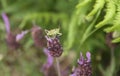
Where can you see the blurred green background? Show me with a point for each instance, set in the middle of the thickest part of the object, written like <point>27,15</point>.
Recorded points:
<point>84,25</point>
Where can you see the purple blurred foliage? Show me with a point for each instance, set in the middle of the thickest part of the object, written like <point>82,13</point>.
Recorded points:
<point>49,62</point>
<point>47,66</point>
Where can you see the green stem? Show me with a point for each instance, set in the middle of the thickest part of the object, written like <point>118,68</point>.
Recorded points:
<point>58,67</point>
<point>101,69</point>
<point>88,30</point>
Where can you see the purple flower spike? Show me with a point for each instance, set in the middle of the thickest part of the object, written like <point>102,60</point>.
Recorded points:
<point>81,60</point>
<point>54,46</point>
<point>84,66</point>
<point>49,59</point>
<point>48,39</point>
<point>88,55</point>
<point>21,35</point>
<point>6,21</point>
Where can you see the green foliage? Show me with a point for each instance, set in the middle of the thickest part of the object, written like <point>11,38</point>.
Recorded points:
<point>107,13</point>
<point>110,12</point>
<point>116,23</point>
<point>76,20</point>
<point>46,17</point>
<point>99,4</point>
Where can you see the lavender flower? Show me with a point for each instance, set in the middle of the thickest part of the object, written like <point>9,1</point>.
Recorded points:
<point>47,66</point>
<point>38,37</point>
<point>49,58</point>
<point>84,66</point>
<point>54,46</point>
<point>12,40</point>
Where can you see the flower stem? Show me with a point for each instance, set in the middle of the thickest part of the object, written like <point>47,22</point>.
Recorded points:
<point>58,66</point>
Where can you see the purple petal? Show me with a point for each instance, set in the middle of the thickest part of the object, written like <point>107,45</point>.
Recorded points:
<point>21,35</point>
<point>74,74</point>
<point>49,39</point>
<point>6,21</point>
<point>81,60</point>
<point>88,55</point>
<point>49,58</point>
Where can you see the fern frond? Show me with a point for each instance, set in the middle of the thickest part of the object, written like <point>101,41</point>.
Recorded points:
<point>99,4</point>
<point>116,34</point>
<point>110,12</point>
<point>81,4</point>
<point>47,17</point>
<point>88,32</point>
<point>116,40</point>
<point>76,20</point>
<point>116,25</point>
<point>116,21</point>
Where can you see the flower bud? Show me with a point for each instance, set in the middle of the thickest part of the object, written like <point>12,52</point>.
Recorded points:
<point>38,37</point>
